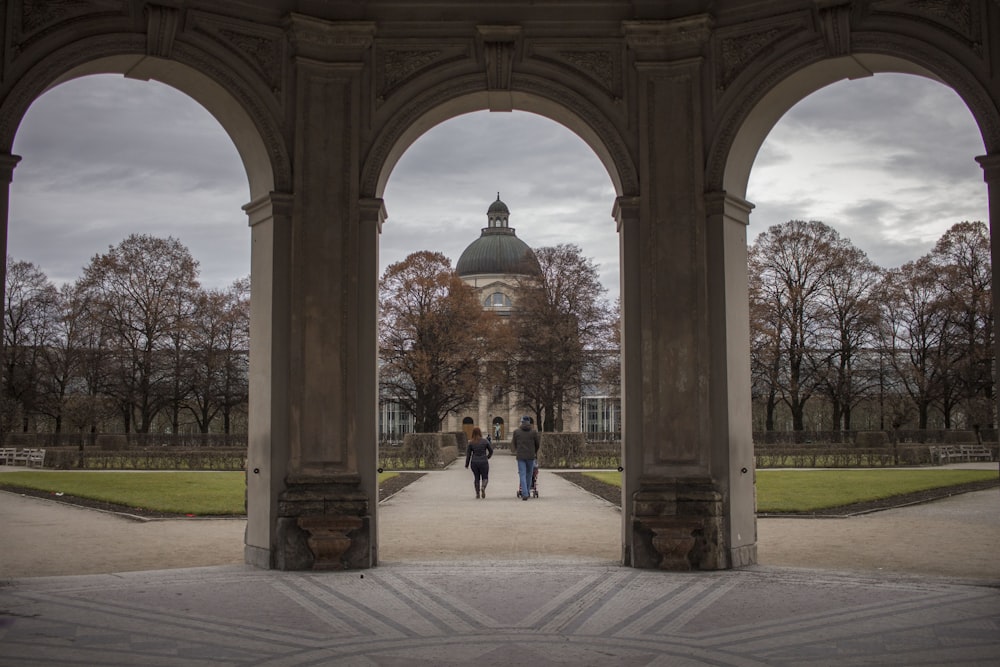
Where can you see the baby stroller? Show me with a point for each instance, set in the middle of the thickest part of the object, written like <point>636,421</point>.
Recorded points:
<point>534,483</point>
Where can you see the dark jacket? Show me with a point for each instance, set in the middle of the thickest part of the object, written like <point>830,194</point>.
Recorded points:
<point>525,441</point>
<point>479,450</point>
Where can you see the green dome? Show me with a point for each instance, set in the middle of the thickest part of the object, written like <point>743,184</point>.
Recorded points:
<point>498,250</point>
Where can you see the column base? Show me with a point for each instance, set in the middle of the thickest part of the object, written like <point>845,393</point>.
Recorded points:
<point>677,525</point>
<point>324,523</point>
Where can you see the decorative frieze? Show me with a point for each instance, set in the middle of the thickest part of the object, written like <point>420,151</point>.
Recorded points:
<point>736,48</point>
<point>261,48</point>
<point>599,64</point>
<point>397,64</point>
<point>33,19</point>
<point>958,16</point>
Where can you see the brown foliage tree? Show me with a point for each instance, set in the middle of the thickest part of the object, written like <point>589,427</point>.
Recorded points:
<point>434,338</point>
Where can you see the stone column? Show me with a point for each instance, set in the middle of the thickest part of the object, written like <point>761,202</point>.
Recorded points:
<point>267,451</point>
<point>676,517</point>
<point>991,174</point>
<point>7,164</point>
<point>325,516</point>
<point>732,424</point>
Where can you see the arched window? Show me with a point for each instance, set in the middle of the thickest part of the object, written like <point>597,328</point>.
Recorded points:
<point>497,300</point>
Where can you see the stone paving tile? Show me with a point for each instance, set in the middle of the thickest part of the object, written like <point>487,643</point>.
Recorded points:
<point>500,614</point>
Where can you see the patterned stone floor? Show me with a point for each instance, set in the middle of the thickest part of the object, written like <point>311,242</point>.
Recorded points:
<point>499,613</point>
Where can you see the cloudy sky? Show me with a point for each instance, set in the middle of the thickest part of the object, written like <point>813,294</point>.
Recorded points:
<point>887,161</point>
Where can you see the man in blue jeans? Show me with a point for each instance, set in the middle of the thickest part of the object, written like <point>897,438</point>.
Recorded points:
<point>525,441</point>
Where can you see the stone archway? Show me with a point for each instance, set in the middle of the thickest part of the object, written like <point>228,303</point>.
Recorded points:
<point>674,106</point>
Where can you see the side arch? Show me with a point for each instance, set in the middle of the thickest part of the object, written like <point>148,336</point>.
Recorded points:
<point>241,113</point>
<point>466,95</point>
<point>750,117</point>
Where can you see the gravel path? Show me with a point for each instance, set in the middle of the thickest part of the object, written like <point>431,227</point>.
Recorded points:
<point>438,519</point>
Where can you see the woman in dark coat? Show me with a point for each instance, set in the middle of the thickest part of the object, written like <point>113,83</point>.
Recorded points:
<point>478,453</point>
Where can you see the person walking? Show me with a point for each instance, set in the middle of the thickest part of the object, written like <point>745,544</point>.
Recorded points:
<point>525,442</point>
<point>478,454</point>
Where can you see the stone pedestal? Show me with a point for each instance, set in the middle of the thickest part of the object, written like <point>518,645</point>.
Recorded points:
<point>677,525</point>
<point>324,523</point>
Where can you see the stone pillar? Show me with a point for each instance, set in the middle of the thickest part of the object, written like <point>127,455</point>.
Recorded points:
<point>267,451</point>
<point>326,513</point>
<point>991,174</point>
<point>676,516</point>
<point>7,164</point>
<point>732,424</point>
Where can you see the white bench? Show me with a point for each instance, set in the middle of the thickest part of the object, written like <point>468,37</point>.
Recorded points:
<point>7,455</point>
<point>976,453</point>
<point>28,457</point>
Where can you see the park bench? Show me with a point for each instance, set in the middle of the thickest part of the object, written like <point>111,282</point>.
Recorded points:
<point>951,453</point>
<point>976,453</point>
<point>7,455</point>
<point>944,454</point>
<point>28,457</point>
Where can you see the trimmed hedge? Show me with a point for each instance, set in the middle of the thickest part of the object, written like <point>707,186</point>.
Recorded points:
<point>419,451</point>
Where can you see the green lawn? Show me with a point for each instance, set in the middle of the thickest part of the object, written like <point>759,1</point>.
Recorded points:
<point>221,493</point>
<point>811,490</point>
<point>197,493</point>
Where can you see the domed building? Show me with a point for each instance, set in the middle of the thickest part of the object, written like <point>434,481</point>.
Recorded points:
<point>493,265</point>
<point>496,260</point>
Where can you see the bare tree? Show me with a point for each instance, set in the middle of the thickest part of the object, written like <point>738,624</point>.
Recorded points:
<point>851,315</point>
<point>30,302</point>
<point>220,341</point>
<point>792,265</point>
<point>134,289</point>
<point>561,323</point>
<point>961,260</point>
<point>913,328</point>
<point>434,338</point>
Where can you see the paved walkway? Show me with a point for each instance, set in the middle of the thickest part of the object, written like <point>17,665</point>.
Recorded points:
<point>493,586</point>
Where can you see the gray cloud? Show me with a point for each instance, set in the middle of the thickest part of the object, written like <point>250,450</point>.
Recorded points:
<point>887,161</point>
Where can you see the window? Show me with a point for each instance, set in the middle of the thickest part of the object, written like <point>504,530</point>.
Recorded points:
<point>497,300</point>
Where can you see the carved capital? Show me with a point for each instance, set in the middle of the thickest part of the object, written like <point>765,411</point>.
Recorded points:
<point>626,211</point>
<point>7,163</point>
<point>373,212</point>
<point>275,205</point>
<point>991,168</point>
